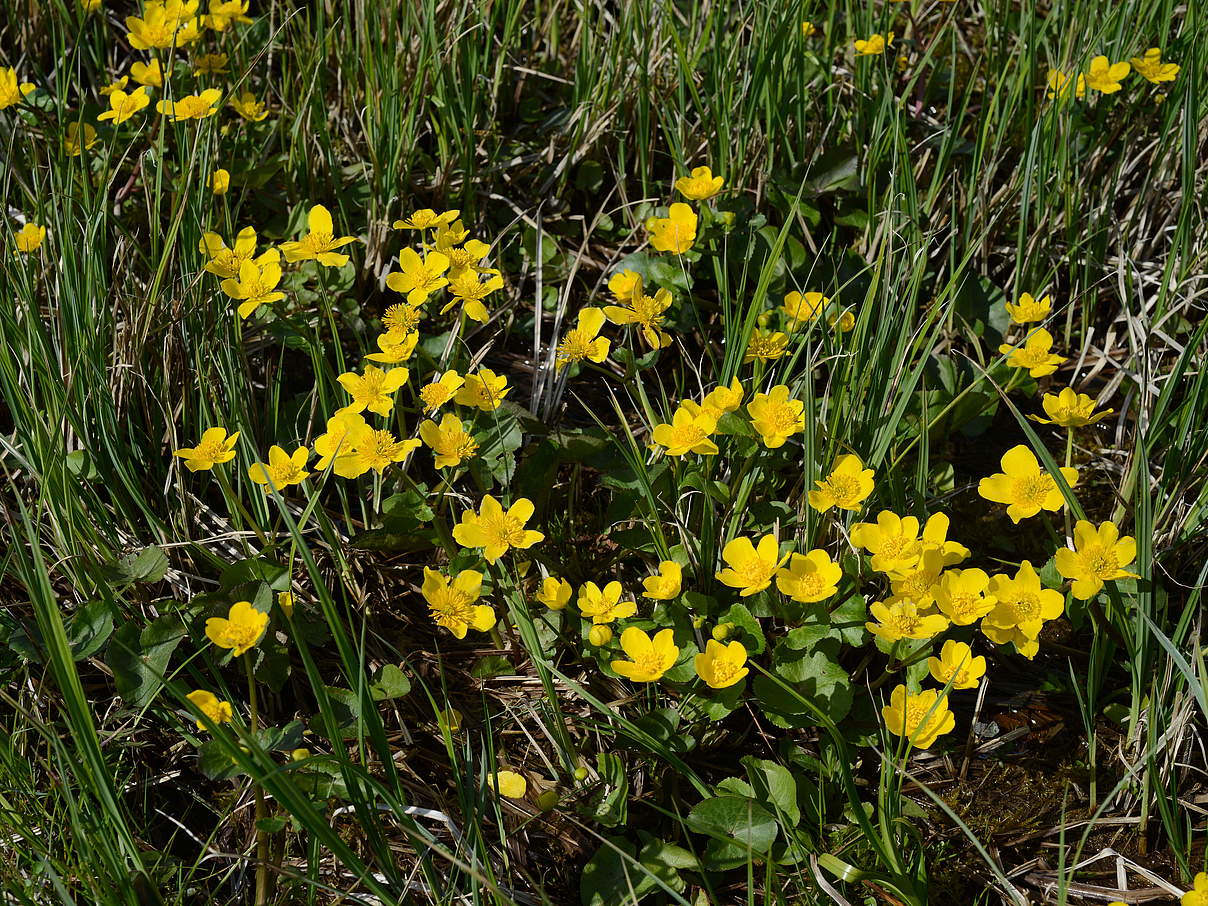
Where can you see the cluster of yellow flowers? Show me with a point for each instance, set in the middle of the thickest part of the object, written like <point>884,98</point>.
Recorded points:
<point>1104,76</point>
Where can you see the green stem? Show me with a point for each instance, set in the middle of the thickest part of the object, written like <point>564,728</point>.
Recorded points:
<point>261,836</point>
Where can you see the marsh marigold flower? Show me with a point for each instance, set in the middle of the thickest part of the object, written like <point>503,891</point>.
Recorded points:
<point>802,307</point>
<point>497,530</point>
<point>483,390</point>
<point>451,604</point>
<point>649,658</point>
<point>1099,555</point>
<point>372,449</point>
<point>225,262</point>
<point>239,630</point>
<point>750,568</point>
<point>440,391</point>
<point>214,448</point>
<point>191,106</point>
<point>962,596</point>
<point>700,185</point>
<point>425,219</point>
<point>599,635</point>
<point>210,64</point>
<point>898,619</point>
<point>466,259</point>
<point>256,284</point>
<point>219,181</point>
<point>583,340</point>
<point>957,663</point>
<point>1151,68</point>
<point>846,487</point>
<point>78,140</point>
<point>666,585</point>
<point>873,44</point>
<point>1198,895</point>
<point>1022,609</point>
<point>419,277</point>
<point>721,399</point>
<point>468,290</point>
<point>1060,84</point>
<point>922,718</point>
<point>1105,76</point>
<point>674,233</point>
<point>775,416</point>
<point>337,439</point>
<point>508,784</point>
<point>1036,354</point>
<point>449,441</point>
<point>688,432</point>
<point>646,312</point>
<point>122,106</point>
<point>808,29</point>
<point>223,13</point>
<point>29,238</point>
<point>163,24</point>
<point>12,91</point>
<point>394,348</point>
<point>248,107</point>
<point>765,346</point>
<point>320,243</point>
<point>604,605</point>
<point>219,712</point>
<point>918,583</point>
<point>1027,309</point>
<point>373,389</point>
<point>555,593</point>
<point>895,544</point>
<point>149,74</point>
<point>720,665</point>
<point>402,318</point>
<point>281,470</point>
<point>1024,486</point>
<point>809,577</point>
<point>624,285</point>
<point>1069,410</point>
<point>118,84</point>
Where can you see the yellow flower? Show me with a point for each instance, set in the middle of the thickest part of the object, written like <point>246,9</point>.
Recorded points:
<point>208,64</point>
<point>844,321</point>
<point>370,449</point>
<point>688,432</point>
<point>281,470</point>
<point>961,596</point>
<point>115,85</point>
<point>425,219</point>
<point>214,449</point>
<point>765,346</point>
<point>1060,84</point>
<point>402,318</point>
<point>249,108</point>
<point>750,568</point>
<point>674,233</point>
<point>285,600</point>
<point>874,44</point>
<point>341,428</point>
<point>219,712</point>
<point>257,283</point>
<point>647,312</point>
<point>219,181</point>
<point>922,718</point>
<point>1198,895</point>
<point>1027,309</point>
<point>451,604</point>
<point>957,663</point>
<point>802,307</point>
<point>1022,609</point>
<point>555,593</point>
<point>1151,68</point>
<point>466,288</point>
<point>440,391</point>
<point>899,619</point>
<point>1036,354</point>
<point>484,390</point>
<point>721,666</point>
<point>12,91</point>
<point>604,606</point>
<point>320,243</point>
<point>1105,76</point>
<point>846,487</point>
<point>649,658</point>
<point>73,145</point>
<point>892,541</point>
<point>30,237</point>
<point>373,389</point>
<point>583,340</point>
<point>191,106</point>
<point>700,185</point>
<point>1024,486</point>
<point>625,285</point>
<point>918,584</point>
<point>226,262</point>
<point>240,630</point>
<point>497,530</point>
<point>122,106</point>
<point>723,399</point>
<point>395,347</point>
<point>599,635</point>
<point>775,416</point>
<point>90,6</point>
<point>450,442</point>
<point>808,29</point>
<point>419,277</point>
<point>1069,410</point>
<point>163,24</point>
<point>809,577</point>
<point>224,12</point>
<point>508,783</point>
<point>666,585</point>
<point>1098,555</point>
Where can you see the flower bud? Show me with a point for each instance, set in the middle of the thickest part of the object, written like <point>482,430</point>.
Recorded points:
<point>600,635</point>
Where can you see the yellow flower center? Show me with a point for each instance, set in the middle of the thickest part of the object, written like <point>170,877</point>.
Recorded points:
<point>1032,356</point>
<point>916,585</point>
<point>687,435</point>
<point>576,346</point>
<point>762,347</point>
<point>380,449</point>
<point>1033,489</point>
<point>503,529</point>
<point>649,664</point>
<point>284,473</point>
<point>457,443</point>
<point>434,396</point>
<point>314,243</point>
<point>649,311</point>
<point>963,604</point>
<point>1101,561</point>
<point>916,713</point>
<point>903,622</point>
<point>809,584</point>
<point>1027,606</point>
<point>400,318</point>
<point>754,572</point>
<point>783,419</point>
<point>210,449</point>
<point>845,489</point>
<point>724,671</point>
<point>452,608</point>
